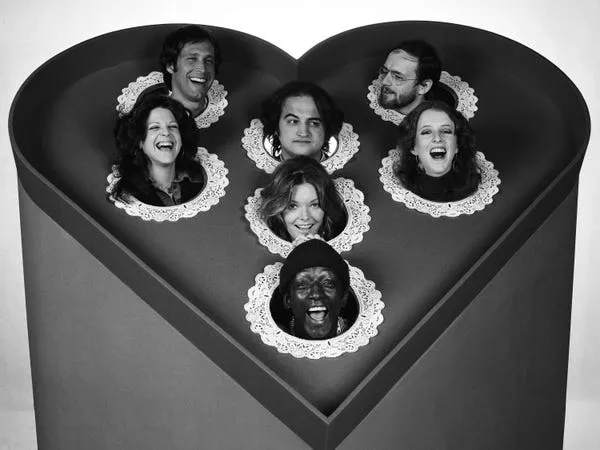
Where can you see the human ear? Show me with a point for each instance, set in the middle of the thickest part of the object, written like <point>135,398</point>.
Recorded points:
<point>424,86</point>
<point>344,299</point>
<point>287,302</point>
<point>170,68</point>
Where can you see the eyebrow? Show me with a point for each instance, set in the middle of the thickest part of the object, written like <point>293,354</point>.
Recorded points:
<point>158,123</point>
<point>196,53</point>
<point>449,125</point>
<point>297,117</point>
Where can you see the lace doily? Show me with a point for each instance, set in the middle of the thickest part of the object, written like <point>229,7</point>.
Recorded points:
<point>466,98</point>
<point>486,190</point>
<point>254,144</point>
<point>214,188</point>
<point>261,322</point>
<point>216,98</point>
<point>357,225</point>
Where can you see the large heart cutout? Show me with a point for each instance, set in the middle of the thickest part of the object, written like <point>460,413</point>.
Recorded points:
<point>532,124</point>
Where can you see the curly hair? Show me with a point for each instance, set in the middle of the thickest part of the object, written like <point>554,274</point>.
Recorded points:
<point>332,117</point>
<point>465,172</point>
<point>277,195</point>
<point>176,40</point>
<point>130,131</point>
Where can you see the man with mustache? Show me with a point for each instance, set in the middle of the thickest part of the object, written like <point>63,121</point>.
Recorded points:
<point>315,285</point>
<point>189,61</point>
<point>409,73</point>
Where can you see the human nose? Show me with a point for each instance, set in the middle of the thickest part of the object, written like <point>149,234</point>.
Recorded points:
<point>302,129</point>
<point>387,79</point>
<point>200,65</point>
<point>304,212</point>
<point>315,290</point>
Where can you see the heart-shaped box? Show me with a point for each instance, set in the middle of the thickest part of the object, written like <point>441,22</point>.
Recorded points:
<point>465,304</point>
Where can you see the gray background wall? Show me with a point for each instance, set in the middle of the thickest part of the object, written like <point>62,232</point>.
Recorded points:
<point>566,34</point>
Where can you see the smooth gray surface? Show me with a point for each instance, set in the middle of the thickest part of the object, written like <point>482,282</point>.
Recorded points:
<point>110,373</point>
<point>496,378</point>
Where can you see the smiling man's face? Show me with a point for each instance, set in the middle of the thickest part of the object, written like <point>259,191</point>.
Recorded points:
<point>316,297</point>
<point>193,73</point>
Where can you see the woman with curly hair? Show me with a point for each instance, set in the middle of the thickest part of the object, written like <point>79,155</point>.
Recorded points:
<point>438,153</point>
<point>299,119</point>
<point>301,199</point>
<point>157,149</point>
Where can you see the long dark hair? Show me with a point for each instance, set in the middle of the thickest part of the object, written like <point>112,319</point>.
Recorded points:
<point>464,172</point>
<point>130,131</point>
<point>277,195</point>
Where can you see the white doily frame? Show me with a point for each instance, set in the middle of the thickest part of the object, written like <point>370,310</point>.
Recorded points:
<point>488,187</point>
<point>214,188</point>
<point>262,323</point>
<point>356,226</point>
<point>217,101</point>
<point>466,100</point>
<point>253,141</point>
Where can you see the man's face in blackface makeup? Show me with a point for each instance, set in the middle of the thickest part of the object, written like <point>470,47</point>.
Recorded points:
<point>316,297</point>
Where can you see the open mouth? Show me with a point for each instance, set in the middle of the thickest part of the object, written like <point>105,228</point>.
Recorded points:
<point>317,313</point>
<point>198,80</point>
<point>437,153</point>
<point>305,229</point>
<point>164,146</point>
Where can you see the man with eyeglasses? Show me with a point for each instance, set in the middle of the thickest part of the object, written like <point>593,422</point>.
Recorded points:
<point>410,71</point>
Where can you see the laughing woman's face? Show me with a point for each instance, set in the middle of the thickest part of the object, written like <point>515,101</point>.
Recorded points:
<point>162,143</point>
<point>435,142</point>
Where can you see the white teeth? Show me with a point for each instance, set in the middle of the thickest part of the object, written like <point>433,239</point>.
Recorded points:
<point>198,80</point>
<point>316,309</point>
<point>304,227</point>
<point>164,145</point>
<point>437,152</point>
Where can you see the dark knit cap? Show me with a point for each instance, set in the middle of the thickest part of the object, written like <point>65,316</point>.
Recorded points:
<point>313,253</point>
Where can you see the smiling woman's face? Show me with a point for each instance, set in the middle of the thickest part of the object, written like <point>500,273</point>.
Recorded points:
<point>435,142</point>
<point>303,215</point>
<point>301,128</point>
<point>316,297</point>
<point>162,143</point>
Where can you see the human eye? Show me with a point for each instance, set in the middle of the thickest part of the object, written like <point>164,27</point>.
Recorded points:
<point>315,205</point>
<point>383,71</point>
<point>291,206</point>
<point>209,61</point>
<point>292,121</point>
<point>153,127</point>
<point>329,283</point>
<point>448,131</point>
<point>425,131</point>
<point>315,123</point>
<point>398,78</point>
